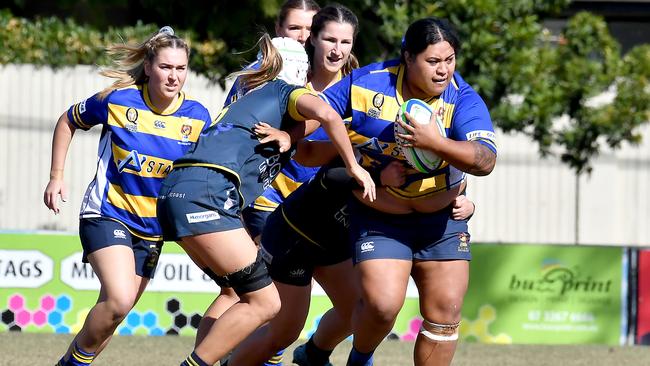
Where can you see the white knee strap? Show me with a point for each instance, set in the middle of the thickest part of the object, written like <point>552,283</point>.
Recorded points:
<point>439,332</point>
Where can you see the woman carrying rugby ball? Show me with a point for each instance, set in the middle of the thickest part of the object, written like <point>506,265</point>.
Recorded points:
<point>410,230</point>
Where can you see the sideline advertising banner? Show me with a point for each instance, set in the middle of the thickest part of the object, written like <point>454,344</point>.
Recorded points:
<point>45,288</point>
<point>643,298</point>
<point>538,294</point>
<point>517,294</point>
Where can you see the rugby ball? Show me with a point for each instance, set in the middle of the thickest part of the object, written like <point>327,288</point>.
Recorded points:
<point>421,160</point>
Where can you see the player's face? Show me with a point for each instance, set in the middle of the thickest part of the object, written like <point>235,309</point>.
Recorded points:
<point>332,46</point>
<point>297,25</point>
<point>429,72</point>
<point>167,73</point>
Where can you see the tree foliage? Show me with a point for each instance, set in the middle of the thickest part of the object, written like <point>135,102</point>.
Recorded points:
<point>548,86</point>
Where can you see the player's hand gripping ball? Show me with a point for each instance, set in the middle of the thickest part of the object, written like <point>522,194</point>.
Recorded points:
<point>421,160</point>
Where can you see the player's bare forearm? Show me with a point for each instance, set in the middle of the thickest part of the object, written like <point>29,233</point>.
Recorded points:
<point>484,160</point>
<point>469,156</point>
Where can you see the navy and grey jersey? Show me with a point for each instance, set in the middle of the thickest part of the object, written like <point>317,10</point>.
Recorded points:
<point>231,145</point>
<point>317,211</point>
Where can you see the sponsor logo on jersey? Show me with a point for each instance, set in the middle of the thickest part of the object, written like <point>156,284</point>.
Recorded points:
<point>132,161</point>
<point>159,124</point>
<point>377,103</point>
<point>132,117</point>
<point>481,135</point>
<point>119,234</point>
<point>367,247</point>
<point>82,106</point>
<point>463,242</point>
<point>204,216</point>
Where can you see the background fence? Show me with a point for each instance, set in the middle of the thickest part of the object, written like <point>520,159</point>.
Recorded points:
<point>525,200</point>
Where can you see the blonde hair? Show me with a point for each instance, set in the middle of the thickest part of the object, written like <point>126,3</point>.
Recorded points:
<point>270,66</point>
<point>128,60</point>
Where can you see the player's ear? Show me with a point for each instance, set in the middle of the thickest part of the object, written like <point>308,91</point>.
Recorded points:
<point>147,67</point>
<point>408,57</point>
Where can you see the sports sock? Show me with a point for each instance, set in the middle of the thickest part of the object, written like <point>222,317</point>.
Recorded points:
<point>357,358</point>
<point>315,355</point>
<point>276,360</point>
<point>194,360</point>
<point>78,357</point>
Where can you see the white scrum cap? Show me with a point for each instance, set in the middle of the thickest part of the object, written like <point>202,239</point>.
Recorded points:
<point>295,62</point>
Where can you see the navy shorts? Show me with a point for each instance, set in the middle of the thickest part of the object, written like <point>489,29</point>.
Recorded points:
<point>98,233</point>
<point>197,200</point>
<point>416,236</point>
<point>254,220</point>
<point>291,257</point>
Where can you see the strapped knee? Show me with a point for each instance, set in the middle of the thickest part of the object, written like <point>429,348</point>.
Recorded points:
<point>251,278</point>
<point>439,332</point>
<point>220,281</point>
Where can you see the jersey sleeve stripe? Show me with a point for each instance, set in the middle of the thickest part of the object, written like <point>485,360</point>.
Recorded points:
<point>293,103</point>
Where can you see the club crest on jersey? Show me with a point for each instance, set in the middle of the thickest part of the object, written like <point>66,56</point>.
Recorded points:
<point>186,131</point>
<point>377,103</point>
<point>132,117</point>
<point>463,242</point>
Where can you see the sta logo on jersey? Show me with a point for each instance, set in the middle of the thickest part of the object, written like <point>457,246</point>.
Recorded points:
<point>139,163</point>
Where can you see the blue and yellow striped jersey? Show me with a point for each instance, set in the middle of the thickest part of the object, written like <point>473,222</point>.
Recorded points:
<point>372,96</point>
<point>137,147</point>
<point>292,175</point>
<point>231,145</point>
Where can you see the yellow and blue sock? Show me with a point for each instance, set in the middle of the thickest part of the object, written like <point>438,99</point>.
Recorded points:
<point>357,358</point>
<point>276,360</point>
<point>194,360</point>
<point>78,357</point>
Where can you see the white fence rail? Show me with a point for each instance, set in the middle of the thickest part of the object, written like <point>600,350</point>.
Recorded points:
<point>525,200</point>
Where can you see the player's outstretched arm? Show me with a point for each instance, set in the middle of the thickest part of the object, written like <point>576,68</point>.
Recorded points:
<point>313,107</point>
<point>63,133</point>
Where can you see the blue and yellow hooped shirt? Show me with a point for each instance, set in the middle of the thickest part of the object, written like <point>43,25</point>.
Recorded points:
<point>372,97</point>
<point>137,147</point>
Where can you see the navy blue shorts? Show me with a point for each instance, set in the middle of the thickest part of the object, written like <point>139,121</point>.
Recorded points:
<point>416,236</point>
<point>254,220</point>
<point>197,200</point>
<point>291,258</point>
<point>98,233</point>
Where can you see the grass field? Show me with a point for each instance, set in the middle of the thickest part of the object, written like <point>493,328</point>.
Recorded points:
<point>18,349</point>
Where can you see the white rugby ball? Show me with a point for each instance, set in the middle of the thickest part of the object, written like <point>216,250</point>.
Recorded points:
<point>421,160</point>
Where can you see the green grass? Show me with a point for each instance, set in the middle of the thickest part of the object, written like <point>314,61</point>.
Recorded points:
<point>45,349</point>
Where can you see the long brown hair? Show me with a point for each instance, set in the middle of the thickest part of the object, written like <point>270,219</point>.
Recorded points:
<point>128,60</point>
<point>270,66</point>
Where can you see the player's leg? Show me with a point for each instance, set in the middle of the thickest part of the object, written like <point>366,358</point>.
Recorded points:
<point>278,333</point>
<point>119,291</point>
<point>442,286</point>
<point>226,298</point>
<point>441,273</point>
<point>383,289</point>
<point>336,324</point>
<point>233,256</point>
<point>123,264</point>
